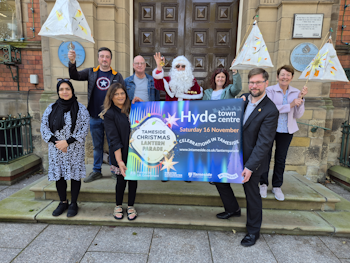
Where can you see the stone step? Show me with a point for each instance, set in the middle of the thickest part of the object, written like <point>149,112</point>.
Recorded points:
<point>300,193</point>
<point>341,175</point>
<point>23,207</point>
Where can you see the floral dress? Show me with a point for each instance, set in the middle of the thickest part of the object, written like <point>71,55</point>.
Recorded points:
<point>69,165</point>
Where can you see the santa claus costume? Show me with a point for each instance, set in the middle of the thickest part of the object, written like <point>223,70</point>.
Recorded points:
<point>181,84</point>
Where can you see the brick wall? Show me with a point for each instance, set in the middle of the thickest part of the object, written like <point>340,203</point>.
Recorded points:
<point>31,59</point>
<point>342,89</point>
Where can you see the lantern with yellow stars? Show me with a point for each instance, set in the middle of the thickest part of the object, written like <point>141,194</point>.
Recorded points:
<point>67,22</point>
<point>325,67</point>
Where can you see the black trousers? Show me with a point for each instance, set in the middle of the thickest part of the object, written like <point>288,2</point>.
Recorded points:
<point>253,199</point>
<point>283,141</point>
<point>61,186</point>
<point>120,189</point>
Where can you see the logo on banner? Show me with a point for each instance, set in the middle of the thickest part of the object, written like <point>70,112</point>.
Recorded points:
<point>103,83</point>
<point>228,176</point>
<point>154,140</point>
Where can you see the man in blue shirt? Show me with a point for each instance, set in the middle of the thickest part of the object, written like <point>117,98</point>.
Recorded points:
<point>99,79</point>
<point>141,85</point>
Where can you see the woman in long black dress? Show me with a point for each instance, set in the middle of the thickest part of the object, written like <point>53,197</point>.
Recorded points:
<point>116,121</point>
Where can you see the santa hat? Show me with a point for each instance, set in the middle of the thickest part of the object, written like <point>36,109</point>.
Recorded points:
<point>181,60</point>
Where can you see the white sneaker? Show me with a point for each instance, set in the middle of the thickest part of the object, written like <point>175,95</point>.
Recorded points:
<point>263,190</point>
<point>278,193</point>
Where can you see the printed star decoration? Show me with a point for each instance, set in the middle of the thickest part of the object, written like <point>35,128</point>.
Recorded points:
<point>168,164</point>
<point>171,120</point>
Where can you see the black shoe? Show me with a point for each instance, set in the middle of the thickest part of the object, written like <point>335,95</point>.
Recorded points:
<point>60,209</point>
<point>188,181</point>
<point>164,181</point>
<point>72,210</point>
<point>212,183</point>
<point>227,215</point>
<point>249,240</point>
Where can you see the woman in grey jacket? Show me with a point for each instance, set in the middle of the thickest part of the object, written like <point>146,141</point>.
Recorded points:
<point>220,87</point>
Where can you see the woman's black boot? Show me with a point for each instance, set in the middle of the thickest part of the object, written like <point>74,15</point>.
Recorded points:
<point>60,208</point>
<point>72,210</point>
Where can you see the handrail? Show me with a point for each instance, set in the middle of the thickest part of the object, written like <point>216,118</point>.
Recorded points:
<point>314,127</point>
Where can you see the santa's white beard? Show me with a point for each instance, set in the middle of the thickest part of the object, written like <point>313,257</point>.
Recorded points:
<point>180,81</point>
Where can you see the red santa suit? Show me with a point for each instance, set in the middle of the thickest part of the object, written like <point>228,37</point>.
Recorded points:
<point>162,83</point>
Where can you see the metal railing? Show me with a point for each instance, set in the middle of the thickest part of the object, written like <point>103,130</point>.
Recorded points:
<point>344,157</point>
<point>15,137</point>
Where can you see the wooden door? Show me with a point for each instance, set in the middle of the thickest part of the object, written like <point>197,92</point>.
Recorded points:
<point>204,31</point>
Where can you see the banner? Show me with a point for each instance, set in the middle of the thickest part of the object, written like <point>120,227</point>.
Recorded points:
<point>186,141</point>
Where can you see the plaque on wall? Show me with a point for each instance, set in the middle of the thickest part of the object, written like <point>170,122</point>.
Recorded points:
<point>77,47</point>
<point>307,25</point>
<point>302,55</point>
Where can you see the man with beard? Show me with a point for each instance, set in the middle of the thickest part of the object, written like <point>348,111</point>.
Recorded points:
<point>181,84</point>
<point>259,128</point>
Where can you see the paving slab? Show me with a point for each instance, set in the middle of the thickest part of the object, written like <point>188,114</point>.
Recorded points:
<point>103,257</point>
<point>330,196</point>
<point>345,260</point>
<point>340,246</point>
<point>18,235</point>
<point>294,223</point>
<point>288,249</point>
<point>345,196</point>
<point>177,245</point>
<point>8,254</point>
<point>298,194</point>
<point>6,193</point>
<point>2,187</point>
<point>119,239</point>
<point>226,247</point>
<point>191,217</point>
<point>343,205</point>
<point>339,220</point>
<point>21,206</point>
<point>337,189</point>
<point>39,188</point>
<point>340,172</point>
<point>59,243</point>
<point>27,181</point>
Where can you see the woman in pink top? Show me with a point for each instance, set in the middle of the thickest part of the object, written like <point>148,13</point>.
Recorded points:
<point>290,103</point>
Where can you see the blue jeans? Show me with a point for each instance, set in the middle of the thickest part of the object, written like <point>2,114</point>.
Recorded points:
<point>97,130</point>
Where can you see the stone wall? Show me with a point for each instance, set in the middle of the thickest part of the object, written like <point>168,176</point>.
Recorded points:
<point>342,89</point>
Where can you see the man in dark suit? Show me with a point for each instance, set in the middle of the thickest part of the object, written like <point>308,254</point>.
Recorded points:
<point>259,128</point>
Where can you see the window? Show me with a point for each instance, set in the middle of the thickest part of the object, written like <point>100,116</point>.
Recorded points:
<point>9,27</point>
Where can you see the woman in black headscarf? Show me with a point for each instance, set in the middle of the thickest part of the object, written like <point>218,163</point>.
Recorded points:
<point>64,127</point>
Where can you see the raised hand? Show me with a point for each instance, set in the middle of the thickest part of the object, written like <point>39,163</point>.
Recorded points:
<point>72,56</point>
<point>233,70</point>
<point>159,60</point>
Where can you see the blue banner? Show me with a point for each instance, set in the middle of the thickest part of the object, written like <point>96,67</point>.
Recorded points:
<point>186,141</point>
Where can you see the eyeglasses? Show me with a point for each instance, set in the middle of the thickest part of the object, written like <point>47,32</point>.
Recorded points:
<point>139,63</point>
<point>60,79</point>
<point>182,66</point>
<point>258,83</point>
